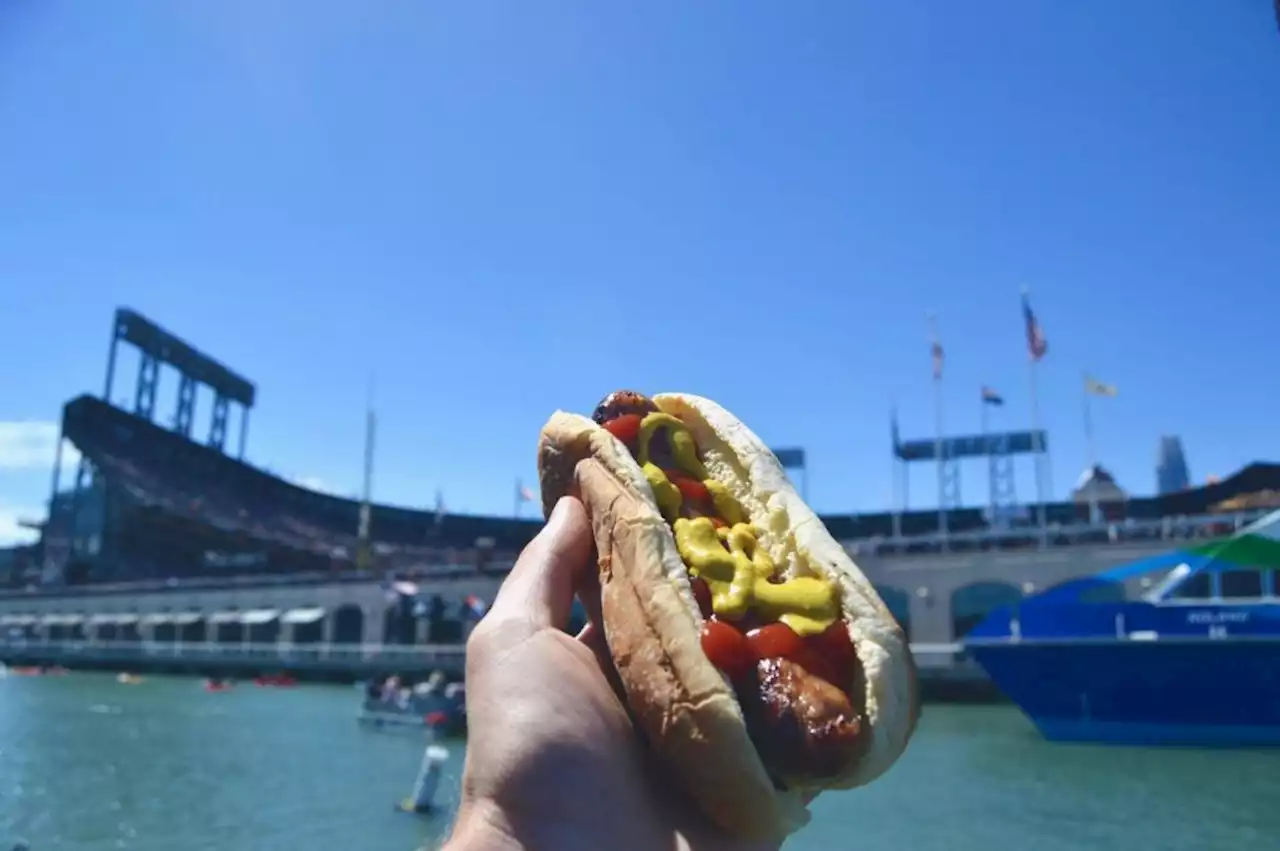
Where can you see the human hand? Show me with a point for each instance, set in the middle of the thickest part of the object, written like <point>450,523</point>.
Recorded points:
<point>553,761</point>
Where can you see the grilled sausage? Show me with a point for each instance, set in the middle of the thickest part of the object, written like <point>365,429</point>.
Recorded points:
<point>803,726</point>
<point>620,403</point>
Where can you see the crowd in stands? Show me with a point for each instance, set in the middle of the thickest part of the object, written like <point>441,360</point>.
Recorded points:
<point>1211,511</point>
<point>180,510</point>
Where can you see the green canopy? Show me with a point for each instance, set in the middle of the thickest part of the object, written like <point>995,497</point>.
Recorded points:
<point>1255,546</point>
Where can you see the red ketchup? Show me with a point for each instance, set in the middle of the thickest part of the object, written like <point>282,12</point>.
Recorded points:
<point>835,648</point>
<point>626,428</point>
<point>728,649</point>
<point>829,654</point>
<point>690,488</point>
<point>776,641</point>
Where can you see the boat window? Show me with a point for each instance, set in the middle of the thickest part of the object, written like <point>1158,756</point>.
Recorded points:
<point>1103,592</point>
<point>971,604</point>
<point>1195,587</point>
<point>1241,584</point>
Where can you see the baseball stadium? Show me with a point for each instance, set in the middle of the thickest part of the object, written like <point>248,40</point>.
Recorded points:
<point>163,547</point>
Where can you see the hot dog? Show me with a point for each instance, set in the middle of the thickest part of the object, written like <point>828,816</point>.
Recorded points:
<point>758,661</point>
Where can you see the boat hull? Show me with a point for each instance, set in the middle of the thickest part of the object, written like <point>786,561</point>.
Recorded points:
<point>1164,692</point>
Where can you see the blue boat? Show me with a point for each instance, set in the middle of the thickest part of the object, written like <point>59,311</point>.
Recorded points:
<point>1180,649</point>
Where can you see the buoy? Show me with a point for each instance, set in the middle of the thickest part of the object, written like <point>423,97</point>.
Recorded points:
<point>424,788</point>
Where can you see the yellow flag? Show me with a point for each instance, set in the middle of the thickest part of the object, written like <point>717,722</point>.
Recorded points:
<point>1097,388</point>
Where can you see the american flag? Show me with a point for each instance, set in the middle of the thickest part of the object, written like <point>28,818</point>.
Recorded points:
<point>523,495</point>
<point>991,397</point>
<point>1037,345</point>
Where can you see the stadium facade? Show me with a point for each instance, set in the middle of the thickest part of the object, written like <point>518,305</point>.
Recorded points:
<point>167,537</point>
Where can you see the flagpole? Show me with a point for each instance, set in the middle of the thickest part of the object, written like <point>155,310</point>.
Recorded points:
<point>363,554</point>
<point>438,515</point>
<point>1092,450</point>
<point>899,495</point>
<point>942,464</point>
<point>1039,450</point>
<point>991,462</point>
<point>1041,464</point>
<point>938,436</point>
<point>1088,426</point>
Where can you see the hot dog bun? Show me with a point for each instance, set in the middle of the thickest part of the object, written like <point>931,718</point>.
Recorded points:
<point>652,623</point>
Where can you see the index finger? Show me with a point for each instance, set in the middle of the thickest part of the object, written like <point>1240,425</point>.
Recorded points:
<point>539,589</point>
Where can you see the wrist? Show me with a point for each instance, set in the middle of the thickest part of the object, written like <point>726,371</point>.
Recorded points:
<point>480,827</point>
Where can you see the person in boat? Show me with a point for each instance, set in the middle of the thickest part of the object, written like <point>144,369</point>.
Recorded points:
<point>434,683</point>
<point>536,750</point>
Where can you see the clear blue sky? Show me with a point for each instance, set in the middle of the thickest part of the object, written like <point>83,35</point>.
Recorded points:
<point>504,208</point>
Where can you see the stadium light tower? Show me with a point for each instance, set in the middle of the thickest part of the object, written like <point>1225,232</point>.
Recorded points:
<point>157,347</point>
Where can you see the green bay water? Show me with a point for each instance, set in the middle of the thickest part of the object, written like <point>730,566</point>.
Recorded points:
<point>87,764</point>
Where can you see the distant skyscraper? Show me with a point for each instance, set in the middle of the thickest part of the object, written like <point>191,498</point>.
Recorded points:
<point>1171,466</point>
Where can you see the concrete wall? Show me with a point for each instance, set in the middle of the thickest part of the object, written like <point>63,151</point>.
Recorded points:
<point>930,584</point>
<point>369,597</point>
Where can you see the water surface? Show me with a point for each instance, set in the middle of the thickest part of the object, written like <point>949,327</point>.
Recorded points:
<point>87,764</point>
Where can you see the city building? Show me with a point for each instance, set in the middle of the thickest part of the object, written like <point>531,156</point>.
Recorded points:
<point>1171,466</point>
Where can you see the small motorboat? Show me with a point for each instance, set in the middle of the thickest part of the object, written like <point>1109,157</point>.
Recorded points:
<point>439,708</point>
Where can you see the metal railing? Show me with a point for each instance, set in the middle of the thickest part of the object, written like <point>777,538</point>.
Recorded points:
<point>434,574</point>
<point>1121,531</point>
<point>1129,530</point>
<point>354,655</point>
<point>335,655</point>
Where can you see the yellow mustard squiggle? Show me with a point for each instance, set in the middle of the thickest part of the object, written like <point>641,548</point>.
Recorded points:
<point>738,576</point>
